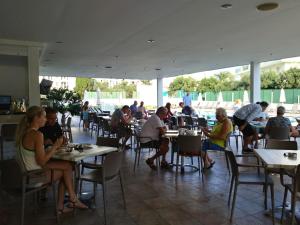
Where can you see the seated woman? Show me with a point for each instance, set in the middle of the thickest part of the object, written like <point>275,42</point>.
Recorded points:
<point>30,142</point>
<point>217,136</point>
<point>169,113</point>
<point>280,121</point>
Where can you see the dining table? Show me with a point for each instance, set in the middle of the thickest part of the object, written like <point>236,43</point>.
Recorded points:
<point>84,151</point>
<point>277,159</point>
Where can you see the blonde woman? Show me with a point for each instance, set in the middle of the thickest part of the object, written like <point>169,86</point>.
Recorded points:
<point>30,142</point>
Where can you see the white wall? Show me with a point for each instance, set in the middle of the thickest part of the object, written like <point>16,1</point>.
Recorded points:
<point>14,76</point>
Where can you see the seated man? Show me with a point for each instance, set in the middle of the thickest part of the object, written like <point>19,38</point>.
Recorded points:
<point>52,130</point>
<point>280,121</point>
<point>152,131</point>
<point>120,120</point>
<point>217,136</point>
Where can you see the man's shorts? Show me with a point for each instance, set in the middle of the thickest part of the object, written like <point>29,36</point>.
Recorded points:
<point>248,130</point>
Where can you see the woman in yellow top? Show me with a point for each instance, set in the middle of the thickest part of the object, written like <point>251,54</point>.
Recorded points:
<point>217,136</point>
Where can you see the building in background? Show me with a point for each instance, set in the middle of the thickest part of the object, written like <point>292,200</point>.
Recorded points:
<point>61,82</point>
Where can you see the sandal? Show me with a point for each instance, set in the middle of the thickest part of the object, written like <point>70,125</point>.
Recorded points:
<point>64,210</point>
<point>165,165</point>
<point>151,164</point>
<point>75,203</point>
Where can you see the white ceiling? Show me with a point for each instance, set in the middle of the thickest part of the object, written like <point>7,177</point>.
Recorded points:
<point>190,35</point>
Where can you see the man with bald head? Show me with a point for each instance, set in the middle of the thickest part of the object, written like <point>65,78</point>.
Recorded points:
<point>151,136</point>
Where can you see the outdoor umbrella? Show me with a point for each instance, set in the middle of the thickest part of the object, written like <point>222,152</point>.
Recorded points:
<point>246,97</point>
<point>98,97</point>
<point>282,96</point>
<point>220,97</point>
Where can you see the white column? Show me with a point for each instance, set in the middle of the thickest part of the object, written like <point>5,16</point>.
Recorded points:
<point>255,84</point>
<point>160,92</point>
<point>33,76</point>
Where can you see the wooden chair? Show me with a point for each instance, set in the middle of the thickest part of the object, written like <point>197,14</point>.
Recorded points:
<point>279,133</point>
<point>294,188</point>
<point>189,146</point>
<point>279,144</point>
<point>25,182</point>
<point>238,178</point>
<point>105,173</point>
<point>8,133</point>
<point>67,131</point>
<point>139,146</point>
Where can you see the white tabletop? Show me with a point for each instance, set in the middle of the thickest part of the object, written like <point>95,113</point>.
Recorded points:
<point>274,158</point>
<point>76,156</point>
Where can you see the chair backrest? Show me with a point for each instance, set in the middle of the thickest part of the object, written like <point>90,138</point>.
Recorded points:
<point>112,164</point>
<point>105,125</point>
<point>189,121</point>
<point>227,143</point>
<point>69,121</point>
<point>108,141</point>
<point>10,174</point>
<point>202,122</point>
<point>8,131</point>
<point>139,115</point>
<point>279,144</point>
<point>233,163</point>
<point>279,133</point>
<point>189,143</point>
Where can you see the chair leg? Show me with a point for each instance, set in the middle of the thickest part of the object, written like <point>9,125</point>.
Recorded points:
<point>55,202</point>
<point>23,201</point>
<point>104,201</point>
<point>266,197</point>
<point>293,206</point>
<point>122,189</point>
<point>283,204</point>
<point>237,143</point>
<point>135,159</point>
<point>199,166</point>
<point>227,163</point>
<point>1,146</point>
<point>230,190</point>
<point>272,203</point>
<point>80,187</point>
<point>177,162</point>
<point>233,200</point>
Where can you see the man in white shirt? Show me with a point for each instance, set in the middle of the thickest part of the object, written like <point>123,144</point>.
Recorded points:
<point>243,117</point>
<point>151,134</point>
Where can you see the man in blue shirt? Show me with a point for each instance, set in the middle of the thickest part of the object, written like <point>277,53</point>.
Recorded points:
<point>187,99</point>
<point>133,108</point>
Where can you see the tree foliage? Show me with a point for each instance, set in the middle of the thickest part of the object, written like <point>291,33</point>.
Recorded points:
<point>89,84</point>
<point>270,80</point>
<point>65,100</point>
<point>128,88</point>
<point>207,84</point>
<point>83,84</point>
<point>146,82</point>
<point>186,84</point>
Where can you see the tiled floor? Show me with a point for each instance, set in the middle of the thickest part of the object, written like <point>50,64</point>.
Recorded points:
<point>156,198</point>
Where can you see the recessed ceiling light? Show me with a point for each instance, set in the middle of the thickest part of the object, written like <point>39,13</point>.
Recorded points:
<point>59,42</point>
<point>267,6</point>
<point>150,41</point>
<point>107,67</point>
<point>226,6</point>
